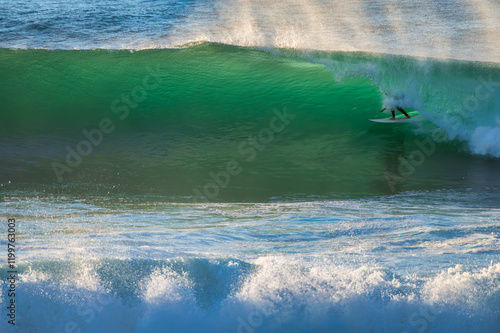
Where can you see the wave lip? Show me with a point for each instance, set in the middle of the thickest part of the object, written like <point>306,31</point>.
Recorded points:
<point>465,30</point>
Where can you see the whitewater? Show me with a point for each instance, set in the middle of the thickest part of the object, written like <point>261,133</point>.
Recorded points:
<point>209,166</point>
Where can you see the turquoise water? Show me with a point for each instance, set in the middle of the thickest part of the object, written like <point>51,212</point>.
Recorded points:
<point>178,117</point>
<point>210,166</point>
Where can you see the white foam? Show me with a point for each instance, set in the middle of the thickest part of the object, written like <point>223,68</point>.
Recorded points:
<point>280,294</point>
<point>485,140</point>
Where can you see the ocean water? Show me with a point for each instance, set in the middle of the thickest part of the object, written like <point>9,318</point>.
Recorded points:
<point>209,166</point>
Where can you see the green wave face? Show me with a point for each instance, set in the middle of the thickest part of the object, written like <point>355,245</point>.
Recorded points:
<point>221,122</point>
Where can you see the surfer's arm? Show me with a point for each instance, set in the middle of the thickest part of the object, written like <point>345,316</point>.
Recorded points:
<point>381,110</point>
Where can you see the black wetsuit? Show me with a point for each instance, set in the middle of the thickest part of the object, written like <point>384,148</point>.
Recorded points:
<point>400,109</point>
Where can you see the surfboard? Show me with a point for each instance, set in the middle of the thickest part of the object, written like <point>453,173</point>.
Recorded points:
<point>398,120</point>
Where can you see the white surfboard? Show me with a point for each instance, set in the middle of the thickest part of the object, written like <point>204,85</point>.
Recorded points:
<point>398,120</point>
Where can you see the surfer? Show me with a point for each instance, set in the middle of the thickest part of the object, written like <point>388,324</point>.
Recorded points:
<point>394,114</point>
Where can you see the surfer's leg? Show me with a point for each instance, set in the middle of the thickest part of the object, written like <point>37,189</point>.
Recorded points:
<point>404,112</point>
<point>393,115</point>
